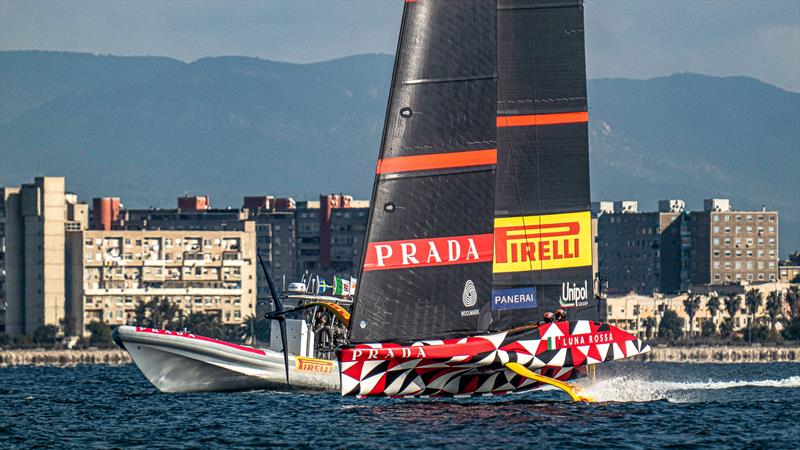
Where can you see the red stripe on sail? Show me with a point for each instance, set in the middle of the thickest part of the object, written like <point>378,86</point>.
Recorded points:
<point>542,119</point>
<point>442,251</point>
<point>438,161</point>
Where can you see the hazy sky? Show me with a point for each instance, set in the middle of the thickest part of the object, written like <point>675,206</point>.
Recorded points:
<point>637,39</point>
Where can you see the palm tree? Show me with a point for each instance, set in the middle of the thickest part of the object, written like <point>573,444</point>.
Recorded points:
<point>713,305</point>
<point>157,313</point>
<point>753,300</point>
<point>793,299</point>
<point>733,303</point>
<point>691,305</point>
<point>774,307</point>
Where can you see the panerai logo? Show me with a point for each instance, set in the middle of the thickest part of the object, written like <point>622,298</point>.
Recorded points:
<point>573,294</point>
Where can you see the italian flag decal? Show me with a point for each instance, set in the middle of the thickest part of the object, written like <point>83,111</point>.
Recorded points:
<point>551,343</point>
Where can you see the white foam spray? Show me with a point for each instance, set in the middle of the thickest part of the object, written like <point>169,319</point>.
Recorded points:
<point>634,389</point>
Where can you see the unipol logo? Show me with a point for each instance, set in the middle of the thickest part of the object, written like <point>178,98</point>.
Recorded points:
<point>574,294</point>
<point>534,243</point>
<point>441,251</point>
<point>469,297</point>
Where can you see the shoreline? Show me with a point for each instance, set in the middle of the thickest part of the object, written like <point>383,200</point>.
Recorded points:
<point>690,355</point>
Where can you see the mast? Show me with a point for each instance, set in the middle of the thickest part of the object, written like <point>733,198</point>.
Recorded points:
<point>542,226</point>
<point>427,269</point>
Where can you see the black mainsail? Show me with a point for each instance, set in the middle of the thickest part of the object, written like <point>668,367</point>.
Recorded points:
<point>427,269</point>
<point>480,219</point>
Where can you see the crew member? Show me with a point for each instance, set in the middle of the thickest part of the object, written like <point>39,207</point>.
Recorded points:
<point>561,315</point>
<point>549,317</point>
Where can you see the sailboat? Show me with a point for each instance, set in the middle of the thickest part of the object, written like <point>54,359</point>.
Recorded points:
<point>479,227</point>
<point>480,222</point>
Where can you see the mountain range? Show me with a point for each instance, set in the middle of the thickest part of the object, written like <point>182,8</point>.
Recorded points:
<point>149,129</point>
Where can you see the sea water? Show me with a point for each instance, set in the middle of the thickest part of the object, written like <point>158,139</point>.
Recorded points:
<point>643,405</point>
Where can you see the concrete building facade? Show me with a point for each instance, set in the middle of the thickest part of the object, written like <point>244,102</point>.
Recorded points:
<point>673,250</point>
<point>639,251</point>
<point>35,219</point>
<point>729,246</point>
<point>112,272</point>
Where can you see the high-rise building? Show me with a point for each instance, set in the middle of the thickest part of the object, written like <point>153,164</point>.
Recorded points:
<point>639,251</point>
<point>34,221</point>
<point>729,246</point>
<point>348,228</point>
<point>672,250</point>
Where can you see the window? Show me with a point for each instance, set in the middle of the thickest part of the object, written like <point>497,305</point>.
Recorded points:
<point>772,264</point>
<point>717,276</point>
<point>716,228</point>
<point>87,242</point>
<point>727,253</point>
<point>716,241</point>
<point>738,264</point>
<point>771,242</point>
<point>761,276</point>
<point>127,241</point>
<point>738,218</point>
<point>727,229</point>
<point>716,218</point>
<point>716,264</point>
<point>727,218</point>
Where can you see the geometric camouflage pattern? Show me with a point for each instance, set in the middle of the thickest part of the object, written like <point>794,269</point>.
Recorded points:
<point>474,366</point>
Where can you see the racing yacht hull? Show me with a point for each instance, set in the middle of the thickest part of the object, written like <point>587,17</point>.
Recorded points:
<point>185,362</point>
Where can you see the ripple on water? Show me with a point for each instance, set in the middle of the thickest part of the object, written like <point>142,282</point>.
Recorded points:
<point>644,405</point>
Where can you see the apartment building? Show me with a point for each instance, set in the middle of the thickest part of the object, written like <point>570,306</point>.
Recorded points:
<point>34,219</point>
<point>639,251</point>
<point>111,272</point>
<point>729,246</point>
<point>348,229</point>
<point>673,250</point>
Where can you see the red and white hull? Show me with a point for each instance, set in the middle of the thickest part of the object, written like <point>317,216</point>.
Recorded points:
<point>476,366</point>
<point>185,362</point>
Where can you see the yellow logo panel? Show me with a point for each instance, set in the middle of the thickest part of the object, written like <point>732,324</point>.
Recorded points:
<point>554,241</point>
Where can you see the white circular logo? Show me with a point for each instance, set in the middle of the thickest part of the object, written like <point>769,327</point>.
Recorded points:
<point>363,324</point>
<point>470,296</point>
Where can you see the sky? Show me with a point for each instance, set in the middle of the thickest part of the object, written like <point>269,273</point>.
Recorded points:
<point>625,38</point>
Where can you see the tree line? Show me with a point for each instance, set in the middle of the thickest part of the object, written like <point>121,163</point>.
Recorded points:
<point>156,313</point>
<point>759,329</point>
